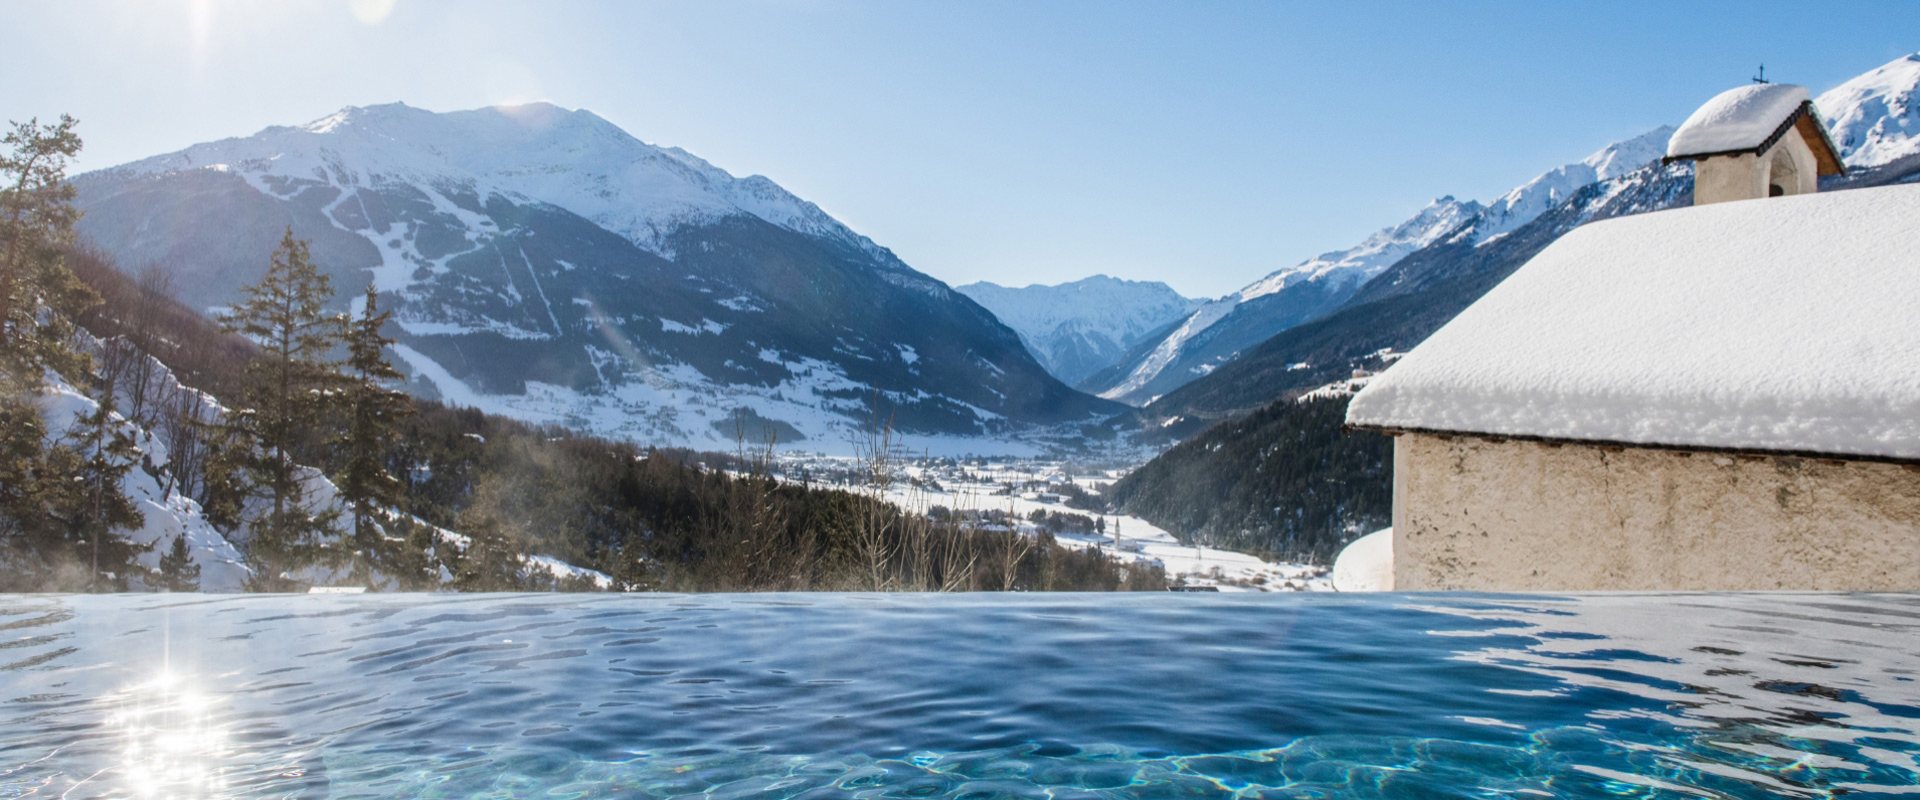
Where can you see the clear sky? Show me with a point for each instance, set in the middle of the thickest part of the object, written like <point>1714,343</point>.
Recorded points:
<point>1199,143</point>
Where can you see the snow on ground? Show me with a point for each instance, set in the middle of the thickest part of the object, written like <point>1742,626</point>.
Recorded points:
<point>1366,564</point>
<point>1777,324</point>
<point>674,404</point>
<point>1020,485</point>
<point>166,513</point>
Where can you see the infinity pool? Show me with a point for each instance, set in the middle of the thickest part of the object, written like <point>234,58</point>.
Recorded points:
<point>1060,696</point>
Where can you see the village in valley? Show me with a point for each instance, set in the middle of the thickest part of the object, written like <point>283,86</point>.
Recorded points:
<point>1051,498</point>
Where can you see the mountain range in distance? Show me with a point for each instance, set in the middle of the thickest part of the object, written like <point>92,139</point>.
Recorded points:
<point>545,265</point>
<point>1874,117</point>
<point>1079,328</point>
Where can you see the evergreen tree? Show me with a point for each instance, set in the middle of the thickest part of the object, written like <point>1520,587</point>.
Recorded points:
<point>489,562</point>
<point>223,485</point>
<point>28,484</point>
<point>39,297</point>
<point>412,562</point>
<point>60,501</point>
<point>102,455</point>
<point>289,387</point>
<point>178,573</point>
<point>373,414</point>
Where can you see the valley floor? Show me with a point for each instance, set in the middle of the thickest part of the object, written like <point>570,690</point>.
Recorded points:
<point>1023,486</point>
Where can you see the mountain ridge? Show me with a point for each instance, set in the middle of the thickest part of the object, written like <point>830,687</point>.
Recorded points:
<point>1216,334</point>
<point>1080,327</point>
<point>548,266</point>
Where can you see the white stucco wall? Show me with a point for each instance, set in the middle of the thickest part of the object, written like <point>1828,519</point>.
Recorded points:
<point>1747,177</point>
<point>1480,514</point>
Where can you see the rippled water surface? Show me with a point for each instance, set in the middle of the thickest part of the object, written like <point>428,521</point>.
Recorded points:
<point>960,696</point>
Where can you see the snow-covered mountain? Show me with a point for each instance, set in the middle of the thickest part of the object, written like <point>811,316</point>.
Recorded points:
<point>1217,332</point>
<point>543,264</point>
<point>1875,118</point>
<point>1535,197</point>
<point>1871,117</point>
<point>1079,328</point>
<point>571,159</point>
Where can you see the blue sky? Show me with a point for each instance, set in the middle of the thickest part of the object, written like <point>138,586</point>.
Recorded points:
<point>1202,144</point>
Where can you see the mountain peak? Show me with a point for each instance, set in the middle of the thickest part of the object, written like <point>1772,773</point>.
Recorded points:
<point>1080,327</point>
<point>1627,155</point>
<point>1875,117</point>
<point>570,158</point>
<point>357,115</point>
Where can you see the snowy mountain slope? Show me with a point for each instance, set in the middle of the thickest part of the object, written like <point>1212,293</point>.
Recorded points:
<point>165,512</point>
<point>543,264</point>
<point>1217,333</point>
<point>1398,308</point>
<point>1875,117</point>
<point>570,159</point>
<point>1078,328</point>
<point>1535,197</point>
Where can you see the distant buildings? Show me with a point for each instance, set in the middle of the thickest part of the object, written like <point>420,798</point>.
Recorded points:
<point>1720,397</point>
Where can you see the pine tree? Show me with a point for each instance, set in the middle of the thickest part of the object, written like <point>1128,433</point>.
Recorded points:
<point>412,562</point>
<point>60,501</point>
<point>178,573</point>
<point>290,385</point>
<point>103,454</point>
<point>28,485</point>
<point>39,297</point>
<point>489,562</point>
<point>223,479</point>
<point>373,414</point>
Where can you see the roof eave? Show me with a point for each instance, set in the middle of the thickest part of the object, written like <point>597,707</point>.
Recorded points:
<point>1395,430</point>
<point>1829,161</point>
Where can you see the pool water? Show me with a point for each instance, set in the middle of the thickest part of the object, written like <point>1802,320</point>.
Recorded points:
<point>983,696</point>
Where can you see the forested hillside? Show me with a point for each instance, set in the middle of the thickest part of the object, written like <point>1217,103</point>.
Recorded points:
<point>1285,481</point>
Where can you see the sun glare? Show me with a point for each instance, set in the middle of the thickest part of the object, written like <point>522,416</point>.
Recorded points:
<point>200,28</point>
<point>171,745</point>
<point>371,12</point>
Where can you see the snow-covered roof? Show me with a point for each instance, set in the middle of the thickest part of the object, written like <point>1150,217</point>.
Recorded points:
<point>1742,118</point>
<point>1784,324</point>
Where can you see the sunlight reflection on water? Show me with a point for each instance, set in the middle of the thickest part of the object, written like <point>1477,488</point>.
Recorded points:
<point>173,747</point>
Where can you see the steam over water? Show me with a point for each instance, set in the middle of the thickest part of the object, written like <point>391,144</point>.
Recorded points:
<point>959,696</point>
